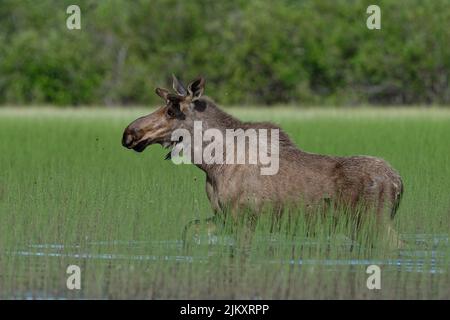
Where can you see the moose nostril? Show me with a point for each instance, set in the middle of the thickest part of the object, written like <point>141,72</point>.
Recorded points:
<point>127,140</point>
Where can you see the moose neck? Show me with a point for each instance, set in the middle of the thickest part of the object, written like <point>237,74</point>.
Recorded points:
<point>215,118</point>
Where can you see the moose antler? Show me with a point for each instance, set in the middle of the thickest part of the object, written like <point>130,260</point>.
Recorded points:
<point>178,86</point>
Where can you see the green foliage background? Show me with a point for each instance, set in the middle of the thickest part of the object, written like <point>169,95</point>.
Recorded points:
<point>250,51</point>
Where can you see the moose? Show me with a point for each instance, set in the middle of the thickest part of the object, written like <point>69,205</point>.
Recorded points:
<point>358,183</point>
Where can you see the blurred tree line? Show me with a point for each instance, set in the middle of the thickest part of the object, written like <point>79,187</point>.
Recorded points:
<point>250,51</point>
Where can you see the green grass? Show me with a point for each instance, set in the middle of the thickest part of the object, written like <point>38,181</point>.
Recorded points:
<point>71,194</point>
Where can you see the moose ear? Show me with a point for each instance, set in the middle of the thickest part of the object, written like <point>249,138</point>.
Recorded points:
<point>196,88</point>
<point>178,86</point>
<point>163,93</point>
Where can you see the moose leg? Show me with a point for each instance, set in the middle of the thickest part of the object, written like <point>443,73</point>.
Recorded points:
<point>210,224</point>
<point>393,237</point>
<point>386,223</point>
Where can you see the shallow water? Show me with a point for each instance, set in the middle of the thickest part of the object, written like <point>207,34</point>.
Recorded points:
<point>428,253</point>
<point>425,254</point>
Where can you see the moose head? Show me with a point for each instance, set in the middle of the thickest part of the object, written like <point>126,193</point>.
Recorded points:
<point>180,111</point>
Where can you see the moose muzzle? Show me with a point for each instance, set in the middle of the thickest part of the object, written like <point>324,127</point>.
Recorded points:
<point>147,130</point>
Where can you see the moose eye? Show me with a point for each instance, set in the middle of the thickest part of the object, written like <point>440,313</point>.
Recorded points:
<point>171,113</point>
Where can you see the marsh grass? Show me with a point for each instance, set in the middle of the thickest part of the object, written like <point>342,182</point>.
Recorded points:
<point>71,194</point>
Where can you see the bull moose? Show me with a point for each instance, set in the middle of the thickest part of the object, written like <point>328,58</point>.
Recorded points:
<point>304,179</point>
